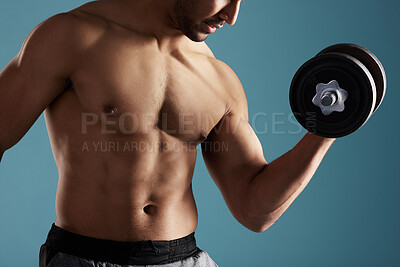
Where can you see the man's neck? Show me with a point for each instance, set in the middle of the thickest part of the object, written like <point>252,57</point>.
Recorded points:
<point>152,17</point>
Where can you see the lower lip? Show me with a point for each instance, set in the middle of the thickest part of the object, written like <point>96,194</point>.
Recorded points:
<point>210,29</point>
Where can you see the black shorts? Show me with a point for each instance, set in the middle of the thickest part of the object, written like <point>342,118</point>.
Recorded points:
<point>117,252</point>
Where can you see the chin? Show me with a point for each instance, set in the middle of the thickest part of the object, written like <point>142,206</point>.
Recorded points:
<point>199,38</point>
<point>196,35</point>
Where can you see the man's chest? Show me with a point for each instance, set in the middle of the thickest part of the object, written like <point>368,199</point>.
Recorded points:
<point>136,91</point>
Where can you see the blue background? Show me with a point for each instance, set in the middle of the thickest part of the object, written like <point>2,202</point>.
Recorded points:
<point>349,213</point>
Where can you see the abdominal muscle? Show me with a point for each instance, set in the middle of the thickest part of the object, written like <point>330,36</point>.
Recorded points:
<point>126,197</point>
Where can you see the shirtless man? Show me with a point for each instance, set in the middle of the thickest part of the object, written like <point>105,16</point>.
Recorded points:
<point>137,74</point>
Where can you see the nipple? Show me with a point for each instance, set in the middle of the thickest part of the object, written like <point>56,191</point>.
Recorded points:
<point>110,110</point>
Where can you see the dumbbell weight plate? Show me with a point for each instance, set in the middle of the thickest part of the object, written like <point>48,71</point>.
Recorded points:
<point>351,75</point>
<point>369,60</point>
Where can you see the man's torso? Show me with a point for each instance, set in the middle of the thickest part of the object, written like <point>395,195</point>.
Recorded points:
<point>124,133</point>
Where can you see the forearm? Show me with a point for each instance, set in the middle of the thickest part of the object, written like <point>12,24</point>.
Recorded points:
<point>273,190</point>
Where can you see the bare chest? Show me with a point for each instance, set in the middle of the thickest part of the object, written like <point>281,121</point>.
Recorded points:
<point>136,91</point>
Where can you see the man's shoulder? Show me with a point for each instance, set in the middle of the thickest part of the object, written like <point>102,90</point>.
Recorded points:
<point>219,66</point>
<point>237,98</point>
<point>229,80</point>
<point>68,30</point>
<point>227,75</point>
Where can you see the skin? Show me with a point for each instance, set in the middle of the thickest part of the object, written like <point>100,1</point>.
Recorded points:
<point>129,89</point>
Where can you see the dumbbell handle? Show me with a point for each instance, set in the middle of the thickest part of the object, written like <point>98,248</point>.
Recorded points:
<point>329,99</point>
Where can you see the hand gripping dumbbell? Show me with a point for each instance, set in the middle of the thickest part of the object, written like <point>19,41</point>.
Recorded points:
<point>336,92</point>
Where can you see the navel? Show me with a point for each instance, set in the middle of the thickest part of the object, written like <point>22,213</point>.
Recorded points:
<point>150,209</point>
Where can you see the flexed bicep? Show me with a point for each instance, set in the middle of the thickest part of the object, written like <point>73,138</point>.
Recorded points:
<point>232,152</point>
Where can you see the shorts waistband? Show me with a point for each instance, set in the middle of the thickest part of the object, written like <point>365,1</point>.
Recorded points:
<point>118,252</point>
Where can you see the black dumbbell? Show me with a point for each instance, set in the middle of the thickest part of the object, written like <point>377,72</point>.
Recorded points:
<point>336,92</point>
